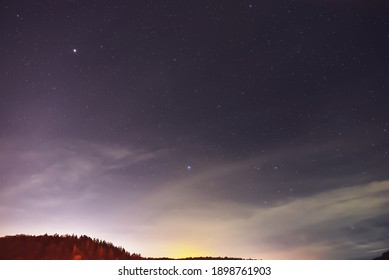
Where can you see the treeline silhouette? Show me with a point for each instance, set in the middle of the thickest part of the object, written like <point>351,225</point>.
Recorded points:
<point>70,247</point>
<point>384,256</point>
<point>60,247</point>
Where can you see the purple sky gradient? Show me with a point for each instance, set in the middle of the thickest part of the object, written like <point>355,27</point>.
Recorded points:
<point>224,128</point>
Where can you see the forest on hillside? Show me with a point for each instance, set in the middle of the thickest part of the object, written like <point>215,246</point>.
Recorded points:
<point>61,247</point>
<point>73,247</point>
<point>70,247</point>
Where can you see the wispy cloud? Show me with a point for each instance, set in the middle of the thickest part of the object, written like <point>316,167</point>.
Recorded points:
<point>67,176</point>
<point>321,225</point>
<point>216,208</point>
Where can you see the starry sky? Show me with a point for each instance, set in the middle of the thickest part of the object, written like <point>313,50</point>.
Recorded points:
<point>254,129</point>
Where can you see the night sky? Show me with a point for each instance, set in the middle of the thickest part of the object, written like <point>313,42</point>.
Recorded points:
<point>254,129</point>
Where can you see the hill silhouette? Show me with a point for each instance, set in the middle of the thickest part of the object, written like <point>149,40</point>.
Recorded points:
<point>384,256</point>
<point>60,247</point>
<point>70,247</point>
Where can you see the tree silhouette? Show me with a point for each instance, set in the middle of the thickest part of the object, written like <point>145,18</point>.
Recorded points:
<point>69,247</point>
<point>56,247</point>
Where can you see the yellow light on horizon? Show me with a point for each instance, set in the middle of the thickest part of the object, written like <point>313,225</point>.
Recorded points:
<point>184,250</point>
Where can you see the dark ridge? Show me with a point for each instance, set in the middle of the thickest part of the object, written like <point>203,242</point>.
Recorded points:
<point>60,247</point>
<point>70,247</point>
<point>384,256</point>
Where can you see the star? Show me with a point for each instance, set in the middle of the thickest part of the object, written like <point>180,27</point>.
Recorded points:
<point>264,115</point>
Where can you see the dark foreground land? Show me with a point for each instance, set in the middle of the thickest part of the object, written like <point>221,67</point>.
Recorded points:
<point>384,256</point>
<point>68,247</point>
<point>72,247</point>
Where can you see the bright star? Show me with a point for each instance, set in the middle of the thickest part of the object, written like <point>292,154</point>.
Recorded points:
<point>74,50</point>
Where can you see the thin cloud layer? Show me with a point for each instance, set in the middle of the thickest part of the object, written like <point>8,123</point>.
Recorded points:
<point>327,222</point>
<point>94,188</point>
<point>243,129</point>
